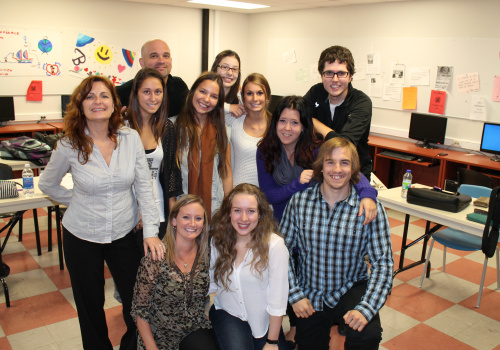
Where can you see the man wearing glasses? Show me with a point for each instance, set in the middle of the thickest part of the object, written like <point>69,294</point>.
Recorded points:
<point>156,54</point>
<point>338,109</point>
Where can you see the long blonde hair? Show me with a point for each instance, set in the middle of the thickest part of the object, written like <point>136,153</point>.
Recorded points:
<point>201,240</point>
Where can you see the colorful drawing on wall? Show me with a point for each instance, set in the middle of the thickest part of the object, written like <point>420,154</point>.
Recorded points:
<point>26,52</point>
<point>98,57</point>
<point>52,69</point>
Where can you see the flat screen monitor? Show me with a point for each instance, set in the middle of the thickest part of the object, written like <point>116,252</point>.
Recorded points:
<point>64,102</point>
<point>7,109</point>
<point>427,128</point>
<point>490,141</point>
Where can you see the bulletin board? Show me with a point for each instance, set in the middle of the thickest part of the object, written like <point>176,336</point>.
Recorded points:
<point>296,74</point>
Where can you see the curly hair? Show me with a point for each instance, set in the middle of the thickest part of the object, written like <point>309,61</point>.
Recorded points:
<point>133,113</point>
<point>336,53</point>
<point>232,95</point>
<point>201,240</point>
<point>270,145</point>
<point>187,124</point>
<point>327,148</point>
<point>75,122</point>
<point>260,80</point>
<point>224,236</point>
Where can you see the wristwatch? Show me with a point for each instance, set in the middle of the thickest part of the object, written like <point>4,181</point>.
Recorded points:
<point>272,342</point>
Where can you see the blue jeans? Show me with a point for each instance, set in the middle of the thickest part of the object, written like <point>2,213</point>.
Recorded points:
<point>232,333</point>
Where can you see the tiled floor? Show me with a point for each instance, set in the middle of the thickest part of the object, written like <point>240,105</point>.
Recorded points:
<point>442,315</point>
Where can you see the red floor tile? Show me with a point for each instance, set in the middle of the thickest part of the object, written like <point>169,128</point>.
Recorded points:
<point>116,325</point>
<point>490,303</point>
<point>20,262</point>
<point>59,278</point>
<point>409,300</point>
<point>395,222</point>
<point>409,274</point>
<point>424,337</point>
<point>34,312</point>
<point>4,344</point>
<point>471,271</point>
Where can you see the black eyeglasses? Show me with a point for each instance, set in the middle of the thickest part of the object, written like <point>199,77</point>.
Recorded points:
<point>226,68</point>
<point>330,74</point>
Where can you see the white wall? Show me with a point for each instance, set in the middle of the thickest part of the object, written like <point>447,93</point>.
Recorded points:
<point>418,19</point>
<point>127,23</point>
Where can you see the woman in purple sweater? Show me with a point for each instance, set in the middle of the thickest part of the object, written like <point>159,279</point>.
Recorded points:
<point>284,165</point>
<point>285,156</point>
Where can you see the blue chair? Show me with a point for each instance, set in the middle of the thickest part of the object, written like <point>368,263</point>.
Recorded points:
<point>464,241</point>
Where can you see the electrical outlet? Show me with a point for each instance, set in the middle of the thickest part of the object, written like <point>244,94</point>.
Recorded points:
<point>42,117</point>
<point>455,143</point>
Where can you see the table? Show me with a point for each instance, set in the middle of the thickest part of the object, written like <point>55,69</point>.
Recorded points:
<point>391,198</point>
<point>17,164</point>
<point>14,130</point>
<point>40,200</point>
<point>433,170</point>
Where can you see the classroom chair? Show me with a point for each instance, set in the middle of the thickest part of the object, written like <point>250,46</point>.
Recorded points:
<point>464,241</point>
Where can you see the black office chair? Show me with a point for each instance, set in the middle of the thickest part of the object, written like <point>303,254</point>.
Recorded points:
<point>472,177</point>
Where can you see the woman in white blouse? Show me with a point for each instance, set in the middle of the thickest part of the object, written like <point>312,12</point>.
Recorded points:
<point>249,272</point>
<point>110,176</point>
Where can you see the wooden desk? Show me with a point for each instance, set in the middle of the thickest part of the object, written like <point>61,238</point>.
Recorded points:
<point>392,199</point>
<point>14,130</point>
<point>58,125</point>
<point>433,170</point>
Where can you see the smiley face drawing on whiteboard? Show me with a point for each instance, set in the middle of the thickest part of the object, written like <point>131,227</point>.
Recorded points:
<point>103,54</point>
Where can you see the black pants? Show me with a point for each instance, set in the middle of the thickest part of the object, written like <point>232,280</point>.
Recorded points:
<point>314,332</point>
<point>85,262</point>
<point>200,339</point>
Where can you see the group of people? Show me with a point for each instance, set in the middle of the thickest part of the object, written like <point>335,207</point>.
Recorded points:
<point>184,193</point>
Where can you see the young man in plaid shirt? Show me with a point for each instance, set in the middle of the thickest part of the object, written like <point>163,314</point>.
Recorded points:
<point>330,283</point>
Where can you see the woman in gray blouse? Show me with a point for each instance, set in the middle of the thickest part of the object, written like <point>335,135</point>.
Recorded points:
<point>110,175</point>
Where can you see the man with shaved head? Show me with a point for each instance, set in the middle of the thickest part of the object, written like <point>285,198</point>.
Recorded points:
<point>156,54</point>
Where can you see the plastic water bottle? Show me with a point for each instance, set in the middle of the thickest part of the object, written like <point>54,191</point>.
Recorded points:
<point>406,183</point>
<point>29,187</point>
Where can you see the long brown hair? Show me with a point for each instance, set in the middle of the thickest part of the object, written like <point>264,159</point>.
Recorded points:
<point>158,120</point>
<point>187,125</point>
<point>201,240</point>
<point>75,121</point>
<point>224,236</point>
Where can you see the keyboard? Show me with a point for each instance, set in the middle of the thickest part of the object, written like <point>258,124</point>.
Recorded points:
<point>398,155</point>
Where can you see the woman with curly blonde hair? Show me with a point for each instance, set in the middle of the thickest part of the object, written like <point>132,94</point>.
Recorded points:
<point>249,272</point>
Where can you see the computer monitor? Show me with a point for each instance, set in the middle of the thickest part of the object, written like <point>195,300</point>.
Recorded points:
<point>490,141</point>
<point>7,109</point>
<point>64,102</point>
<point>428,129</point>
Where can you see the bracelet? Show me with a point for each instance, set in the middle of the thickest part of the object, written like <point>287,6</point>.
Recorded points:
<point>272,342</point>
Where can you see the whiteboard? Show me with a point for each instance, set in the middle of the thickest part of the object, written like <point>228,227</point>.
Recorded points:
<point>465,55</point>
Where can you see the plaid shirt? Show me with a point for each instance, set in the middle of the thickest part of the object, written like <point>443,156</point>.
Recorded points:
<point>331,246</point>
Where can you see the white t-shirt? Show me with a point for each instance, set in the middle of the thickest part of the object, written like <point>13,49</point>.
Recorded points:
<point>243,152</point>
<point>154,162</point>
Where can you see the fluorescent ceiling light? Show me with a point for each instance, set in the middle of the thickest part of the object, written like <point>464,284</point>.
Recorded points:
<point>226,3</point>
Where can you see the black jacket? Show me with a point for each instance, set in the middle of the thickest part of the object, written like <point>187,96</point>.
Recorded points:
<point>177,91</point>
<point>352,119</point>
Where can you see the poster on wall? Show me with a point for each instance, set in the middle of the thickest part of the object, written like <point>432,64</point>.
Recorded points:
<point>92,56</point>
<point>28,53</point>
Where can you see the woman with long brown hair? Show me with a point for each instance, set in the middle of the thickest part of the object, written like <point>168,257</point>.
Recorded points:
<point>110,175</point>
<point>147,114</point>
<point>203,148</point>
<point>249,272</point>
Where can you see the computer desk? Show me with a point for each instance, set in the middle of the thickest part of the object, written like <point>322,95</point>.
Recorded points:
<point>391,198</point>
